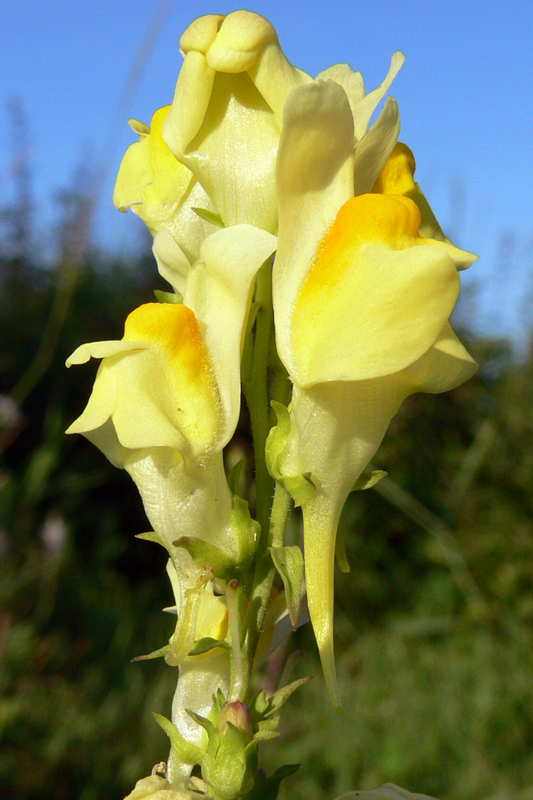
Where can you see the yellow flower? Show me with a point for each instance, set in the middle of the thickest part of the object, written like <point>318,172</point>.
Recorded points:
<point>166,399</point>
<point>362,305</point>
<point>155,410</point>
<point>226,115</point>
<point>160,190</point>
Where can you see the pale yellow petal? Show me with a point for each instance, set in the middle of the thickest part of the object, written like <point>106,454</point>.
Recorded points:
<point>240,38</point>
<point>167,395</point>
<point>219,290</point>
<point>183,497</point>
<point>191,100</point>
<point>315,178</point>
<point>85,352</point>
<point>135,172</point>
<point>172,263</point>
<point>101,405</point>
<point>446,365</point>
<point>366,107</point>
<point>201,33</point>
<point>156,386</point>
<point>275,77</point>
<point>375,147</point>
<point>234,153</point>
<point>352,82</point>
<point>151,181</point>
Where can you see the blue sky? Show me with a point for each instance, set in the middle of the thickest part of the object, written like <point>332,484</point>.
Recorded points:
<point>464,96</point>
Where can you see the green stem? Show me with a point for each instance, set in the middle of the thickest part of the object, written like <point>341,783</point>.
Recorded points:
<point>255,387</point>
<point>263,579</point>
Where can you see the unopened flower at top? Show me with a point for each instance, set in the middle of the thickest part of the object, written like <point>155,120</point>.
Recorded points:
<point>226,116</point>
<point>362,305</point>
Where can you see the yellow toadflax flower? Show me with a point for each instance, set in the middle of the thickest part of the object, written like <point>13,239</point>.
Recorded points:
<point>226,116</point>
<point>362,305</point>
<point>166,399</point>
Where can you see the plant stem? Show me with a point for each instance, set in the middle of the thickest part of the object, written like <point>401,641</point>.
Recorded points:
<point>255,389</point>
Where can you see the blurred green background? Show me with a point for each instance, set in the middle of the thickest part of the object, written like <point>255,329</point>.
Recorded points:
<point>433,624</point>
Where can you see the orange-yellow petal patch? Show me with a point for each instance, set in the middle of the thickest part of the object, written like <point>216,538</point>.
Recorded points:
<point>397,176</point>
<point>376,297</point>
<point>390,221</point>
<point>185,367</point>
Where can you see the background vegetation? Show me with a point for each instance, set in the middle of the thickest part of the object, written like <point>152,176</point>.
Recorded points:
<point>434,623</point>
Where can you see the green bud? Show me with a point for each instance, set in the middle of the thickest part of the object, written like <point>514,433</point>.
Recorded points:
<point>238,714</point>
<point>229,765</point>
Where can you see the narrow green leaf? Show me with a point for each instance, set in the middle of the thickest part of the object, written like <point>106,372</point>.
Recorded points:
<point>206,644</point>
<point>261,707</point>
<point>207,554</point>
<point>289,562</point>
<point>245,531</point>
<point>154,654</point>
<point>209,216</point>
<point>150,536</point>
<point>187,751</point>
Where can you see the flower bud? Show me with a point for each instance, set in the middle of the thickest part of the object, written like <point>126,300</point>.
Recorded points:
<point>238,714</point>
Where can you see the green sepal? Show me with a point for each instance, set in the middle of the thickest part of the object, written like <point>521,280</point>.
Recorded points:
<point>229,764</point>
<point>262,707</point>
<point>300,487</point>
<point>154,654</point>
<point>268,788</point>
<point>277,439</point>
<point>150,536</point>
<point>367,480</point>
<point>245,531</point>
<point>289,562</point>
<point>267,729</point>
<point>187,751</point>
<point>234,476</point>
<point>219,700</point>
<point>206,554</point>
<point>209,216</point>
<point>168,297</point>
<point>206,724</point>
<point>206,644</point>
